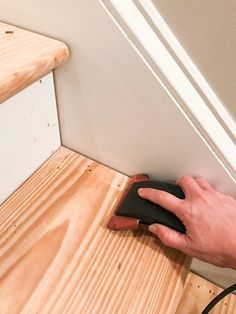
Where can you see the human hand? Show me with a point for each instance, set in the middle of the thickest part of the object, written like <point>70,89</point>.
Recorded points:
<point>209,218</point>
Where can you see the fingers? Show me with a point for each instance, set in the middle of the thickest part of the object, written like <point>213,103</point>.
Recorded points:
<point>203,184</point>
<point>189,185</point>
<point>162,198</point>
<point>169,237</point>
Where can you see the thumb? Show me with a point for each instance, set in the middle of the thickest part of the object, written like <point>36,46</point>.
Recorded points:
<point>169,236</point>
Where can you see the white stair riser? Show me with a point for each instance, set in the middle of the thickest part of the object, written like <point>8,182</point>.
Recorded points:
<point>29,133</point>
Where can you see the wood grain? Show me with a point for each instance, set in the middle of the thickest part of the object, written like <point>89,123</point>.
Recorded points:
<point>26,57</point>
<point>58,256</point>
<point>198,292</point>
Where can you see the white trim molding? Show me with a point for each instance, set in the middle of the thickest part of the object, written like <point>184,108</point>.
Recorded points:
<point>159,49</point>
<point>187,65</point>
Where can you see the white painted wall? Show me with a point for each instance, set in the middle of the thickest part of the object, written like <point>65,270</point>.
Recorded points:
<point>29,133</point>
<point>206,29</point>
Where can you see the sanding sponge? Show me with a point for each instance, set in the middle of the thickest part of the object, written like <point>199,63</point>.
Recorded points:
<point>134,212</point>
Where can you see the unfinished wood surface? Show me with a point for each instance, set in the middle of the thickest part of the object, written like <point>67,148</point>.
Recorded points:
<point>198,292</point>
<point>25,57</point>
<point>58,256</point>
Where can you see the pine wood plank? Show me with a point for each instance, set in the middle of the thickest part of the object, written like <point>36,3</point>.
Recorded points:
<point>56,254</point>
<point>198,292</point>
<point>26,57</point>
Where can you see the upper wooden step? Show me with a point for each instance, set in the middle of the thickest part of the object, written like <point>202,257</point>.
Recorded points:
<point>25,57</point>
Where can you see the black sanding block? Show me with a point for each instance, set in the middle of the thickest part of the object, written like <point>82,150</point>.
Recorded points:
<point>134,211</point>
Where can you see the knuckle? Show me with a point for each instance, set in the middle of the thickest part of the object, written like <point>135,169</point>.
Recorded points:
<point>167,239</point>
<point>184,179</point>
<point>160,195</point>
<point>183,206</point>
<point>199,193</point>
<point>156,195</point>
<point>201,179</point>
<point>185,211</point>
<point>164,240</point>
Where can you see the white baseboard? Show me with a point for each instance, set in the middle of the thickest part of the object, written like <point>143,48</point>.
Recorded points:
<point>224,277</point>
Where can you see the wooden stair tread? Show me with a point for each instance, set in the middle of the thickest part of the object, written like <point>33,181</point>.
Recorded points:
<point>25,57</point>
<point>198,292</point>
<point>58,256</point>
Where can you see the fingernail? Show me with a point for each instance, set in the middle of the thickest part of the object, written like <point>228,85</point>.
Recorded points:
<point>140,191</point>
<point>152,228</point>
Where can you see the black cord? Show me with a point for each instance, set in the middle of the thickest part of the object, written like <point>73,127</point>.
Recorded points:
<point>218,298</point>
